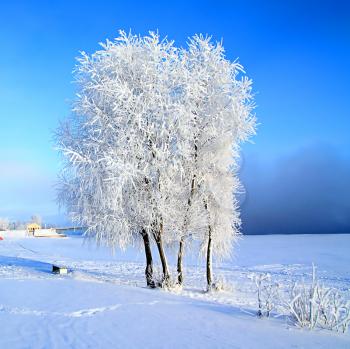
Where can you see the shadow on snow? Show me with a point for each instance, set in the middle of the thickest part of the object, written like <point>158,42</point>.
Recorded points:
<point>26,263</point>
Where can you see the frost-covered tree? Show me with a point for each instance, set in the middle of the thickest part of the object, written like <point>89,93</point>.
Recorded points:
<point>120,143</point>
<point>36,219</point>
<point>4,223</point>
<point>150,150</point>
<point>219,105</point>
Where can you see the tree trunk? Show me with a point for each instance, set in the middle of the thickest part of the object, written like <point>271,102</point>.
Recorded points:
<point>182,241</point>
<point>149,260</point>
<point>209,261</point>
<point>179,262</point>
<point>162,256</point>
<point>209,251</point>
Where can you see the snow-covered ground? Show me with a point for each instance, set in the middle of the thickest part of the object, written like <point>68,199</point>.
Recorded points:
<point>102,302</point>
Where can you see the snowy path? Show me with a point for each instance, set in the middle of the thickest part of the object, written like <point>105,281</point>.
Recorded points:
<point>97,305</point>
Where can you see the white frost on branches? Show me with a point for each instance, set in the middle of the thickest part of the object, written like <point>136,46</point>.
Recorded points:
<point>309,305</point>
<point>220,104</point>
<point>4,223</point>
<point>267,293</point>
<point>153,142</point>
<point>319,306</point>
<point>118,144</point>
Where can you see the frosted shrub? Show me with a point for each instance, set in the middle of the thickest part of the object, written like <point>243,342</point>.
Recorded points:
<point>334,310</point>
<point>315,305</point>
<point>303,305</point>
<point>267,293</point>
<point>309,305</point>
<point>4,223</point>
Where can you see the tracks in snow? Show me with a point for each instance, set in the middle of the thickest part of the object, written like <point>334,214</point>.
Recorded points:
<point>89,312</point>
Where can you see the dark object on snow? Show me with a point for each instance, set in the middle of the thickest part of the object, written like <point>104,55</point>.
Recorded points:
<point>59,270</point>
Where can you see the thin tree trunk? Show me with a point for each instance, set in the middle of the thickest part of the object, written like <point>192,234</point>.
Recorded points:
<point>179,262</point>
<point>182,241</point>
<point>209,251</point>
<point>209,260</point>
<point>162,256</point>
<point>189,203</point>
<point>149,260</point>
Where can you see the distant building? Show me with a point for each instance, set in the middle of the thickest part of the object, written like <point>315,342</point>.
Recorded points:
<point>31,227</point>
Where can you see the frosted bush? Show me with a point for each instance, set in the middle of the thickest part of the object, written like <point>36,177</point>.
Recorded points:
<point>267,293</point>
<point>308,305</point>
<point>334,310</point>
<point>315,305</point>
<point>4,223</point>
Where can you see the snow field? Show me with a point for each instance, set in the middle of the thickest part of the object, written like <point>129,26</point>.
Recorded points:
<point>103,303</point>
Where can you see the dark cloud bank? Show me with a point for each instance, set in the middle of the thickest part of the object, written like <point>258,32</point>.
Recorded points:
<point>307,192</point>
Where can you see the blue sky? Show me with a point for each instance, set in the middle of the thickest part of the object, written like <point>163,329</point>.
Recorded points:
<point>297,171</point>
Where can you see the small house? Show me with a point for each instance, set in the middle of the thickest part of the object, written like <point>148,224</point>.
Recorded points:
<point>31,227</point>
